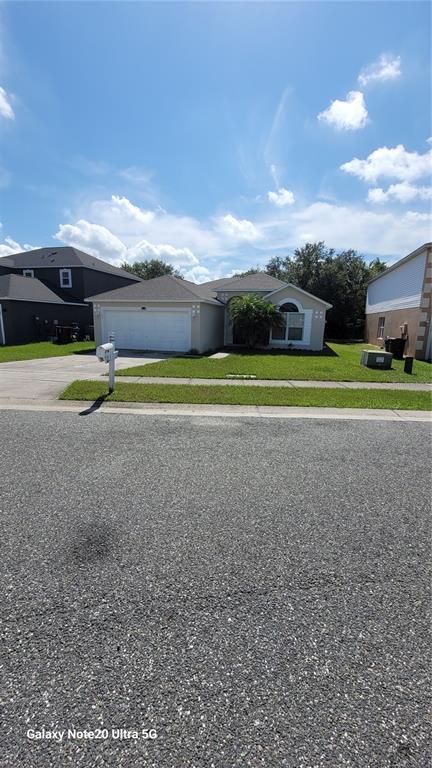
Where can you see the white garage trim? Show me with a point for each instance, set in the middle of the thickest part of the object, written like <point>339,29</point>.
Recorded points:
<point>154,328</point>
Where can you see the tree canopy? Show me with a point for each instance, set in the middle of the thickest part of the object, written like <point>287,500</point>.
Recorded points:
<point>150,268</point>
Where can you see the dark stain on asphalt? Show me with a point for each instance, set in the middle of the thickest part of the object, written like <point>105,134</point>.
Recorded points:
<point>92,542</point>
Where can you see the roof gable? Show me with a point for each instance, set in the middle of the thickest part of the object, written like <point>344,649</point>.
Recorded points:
<point>291,286</point>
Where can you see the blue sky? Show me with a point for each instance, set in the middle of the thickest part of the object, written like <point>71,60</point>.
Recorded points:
<point>215,135</point>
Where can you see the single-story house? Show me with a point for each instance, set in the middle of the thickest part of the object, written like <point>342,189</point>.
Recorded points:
<point>398,304</point>
<point>30,311</point>
<point>171,314</point>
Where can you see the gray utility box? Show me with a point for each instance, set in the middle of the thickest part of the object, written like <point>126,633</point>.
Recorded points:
<point>376,359</point>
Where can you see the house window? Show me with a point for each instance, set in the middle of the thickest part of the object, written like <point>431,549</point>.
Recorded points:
<point>381,324</point>
<point>279,334</point>
<point>28,272</point>
<point>65,278</point>
<point>293,324</point>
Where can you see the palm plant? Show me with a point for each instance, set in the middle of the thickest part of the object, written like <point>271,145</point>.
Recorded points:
<point>254,316</point>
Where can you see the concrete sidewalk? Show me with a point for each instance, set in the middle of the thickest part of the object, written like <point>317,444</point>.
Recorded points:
<point>85,408</point>
<point>414,387</point>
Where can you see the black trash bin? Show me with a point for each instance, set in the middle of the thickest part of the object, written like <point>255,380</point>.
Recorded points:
<point>408,365</point>
<point>395,346</point>
<point>64,334</point>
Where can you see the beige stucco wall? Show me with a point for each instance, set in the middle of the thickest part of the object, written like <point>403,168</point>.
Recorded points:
<point>309,303</point>
<point>393,321</point>
<point>211,323</point>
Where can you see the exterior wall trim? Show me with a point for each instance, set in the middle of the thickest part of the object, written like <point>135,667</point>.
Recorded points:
<point>300,290</point>
<point>45,301</point>
<point>2,331</point>
<point>96,300</point>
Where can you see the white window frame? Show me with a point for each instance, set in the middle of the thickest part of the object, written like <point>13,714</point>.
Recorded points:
<point>381,326</point>
<point>28,272</point>
<point>68,272</point>
<point>307,320</point>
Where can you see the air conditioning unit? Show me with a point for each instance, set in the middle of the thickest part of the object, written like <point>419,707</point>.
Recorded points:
<point>376,359</point>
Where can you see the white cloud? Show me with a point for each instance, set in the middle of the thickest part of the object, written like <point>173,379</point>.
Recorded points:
<point>5,105</point>
<point>120,210</point>
<point>101,242</point>
<point>391,163</point>
<point>404,192</point>
<point>345,226</point>
<point>143,250</point>
<point>201,274</point>
<point>92,238</point>
<point>349,115</point>
<point>10,246</point>
<point>239,229</point>
<point>386,68</point>
<point>208,249</point>
<point>429,140</point>
<point>282,197</point>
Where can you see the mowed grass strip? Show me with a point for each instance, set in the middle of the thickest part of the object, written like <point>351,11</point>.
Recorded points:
<point>226,395</point>
<point>43,349</point>
<point>337,362</point>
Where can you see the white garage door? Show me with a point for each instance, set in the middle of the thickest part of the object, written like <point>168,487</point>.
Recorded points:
<point>163,330</point>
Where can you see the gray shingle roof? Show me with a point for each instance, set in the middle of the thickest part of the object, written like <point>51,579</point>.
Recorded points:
<point>17,287</point>
<point>166,288</point>
<point>5,261</point>
<point>258,281</point>
<point>63,256</point>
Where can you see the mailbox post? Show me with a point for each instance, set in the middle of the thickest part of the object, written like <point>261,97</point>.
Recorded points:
<point>106,353</point>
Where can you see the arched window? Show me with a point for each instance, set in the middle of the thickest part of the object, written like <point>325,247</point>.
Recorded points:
<point>288,307</point>
<point>293,326</point>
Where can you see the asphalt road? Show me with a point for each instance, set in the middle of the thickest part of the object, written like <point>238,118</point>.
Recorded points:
<point>254,590</point>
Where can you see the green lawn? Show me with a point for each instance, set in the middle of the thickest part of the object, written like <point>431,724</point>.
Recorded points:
<point>338,362</point>
<point>43,349</point>
<point>237,395</point>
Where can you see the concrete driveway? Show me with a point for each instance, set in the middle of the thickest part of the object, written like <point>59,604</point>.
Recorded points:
<point>46,378</point>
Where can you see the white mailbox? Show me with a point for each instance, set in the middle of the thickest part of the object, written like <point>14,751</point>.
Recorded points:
<point>105,352</point>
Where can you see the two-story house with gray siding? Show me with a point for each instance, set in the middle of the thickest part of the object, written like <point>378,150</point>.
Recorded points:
<point>46,287</point>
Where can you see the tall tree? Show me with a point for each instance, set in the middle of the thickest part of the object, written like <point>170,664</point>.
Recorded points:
<point>150,268</point>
